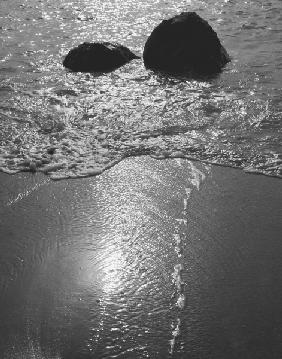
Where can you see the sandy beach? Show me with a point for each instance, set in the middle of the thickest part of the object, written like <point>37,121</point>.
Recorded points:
<point>170,258</point>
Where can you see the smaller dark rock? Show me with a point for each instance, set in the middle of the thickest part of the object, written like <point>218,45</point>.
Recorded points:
<point>98,57</point>
<point>51,150</point>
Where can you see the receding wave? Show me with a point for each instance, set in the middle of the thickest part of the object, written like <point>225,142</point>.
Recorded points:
<point>83,131</point>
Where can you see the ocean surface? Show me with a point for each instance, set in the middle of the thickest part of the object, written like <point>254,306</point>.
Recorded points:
<point>74,125</point>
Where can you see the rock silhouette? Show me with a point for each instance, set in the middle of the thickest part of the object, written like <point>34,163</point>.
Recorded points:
<point>185,44</point>
<point>98,57</point>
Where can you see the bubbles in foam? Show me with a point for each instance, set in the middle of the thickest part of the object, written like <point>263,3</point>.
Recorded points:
<point>86,126</point>
<point>68,153</point>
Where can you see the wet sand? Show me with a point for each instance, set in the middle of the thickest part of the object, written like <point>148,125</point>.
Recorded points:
<point>153,259</point>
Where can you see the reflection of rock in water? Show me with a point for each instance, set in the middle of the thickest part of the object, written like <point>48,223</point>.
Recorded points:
<point>98,57</point>
<point>185,44</point>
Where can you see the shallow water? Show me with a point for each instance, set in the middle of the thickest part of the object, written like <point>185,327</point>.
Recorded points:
<point>98,272</point>
<point>71,125</point>
<point>152,259</point>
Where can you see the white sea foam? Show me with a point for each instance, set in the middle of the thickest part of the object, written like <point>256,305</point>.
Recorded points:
<point>92,121</point>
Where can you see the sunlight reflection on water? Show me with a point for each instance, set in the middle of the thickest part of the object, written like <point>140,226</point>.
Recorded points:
<point>130,263</point>
<point>232,120</point>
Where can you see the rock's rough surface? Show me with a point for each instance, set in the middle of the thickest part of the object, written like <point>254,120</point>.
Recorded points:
<point>98,57</point>
<point>185,44</point>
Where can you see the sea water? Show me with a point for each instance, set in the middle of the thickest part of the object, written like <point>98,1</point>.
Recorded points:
<point>70,125</point>
<point>111,270</point>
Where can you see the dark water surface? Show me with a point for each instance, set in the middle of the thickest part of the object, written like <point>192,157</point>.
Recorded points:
<point>152,259</point>
<point>94,121</point>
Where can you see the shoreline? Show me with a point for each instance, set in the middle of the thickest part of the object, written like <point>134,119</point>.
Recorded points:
<point>98,172</point>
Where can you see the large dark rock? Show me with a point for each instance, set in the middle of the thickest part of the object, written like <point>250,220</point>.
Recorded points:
<point>98,57</point>
<point>185,44</point>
